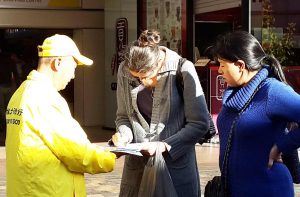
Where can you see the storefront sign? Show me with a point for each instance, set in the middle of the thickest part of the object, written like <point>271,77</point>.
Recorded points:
<point>121,43</point>
<point>40,4</point>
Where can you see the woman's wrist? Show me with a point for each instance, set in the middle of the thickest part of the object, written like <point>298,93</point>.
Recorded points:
<point>167,147</point>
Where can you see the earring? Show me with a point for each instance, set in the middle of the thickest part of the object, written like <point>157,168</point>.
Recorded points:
<point>58,61</point>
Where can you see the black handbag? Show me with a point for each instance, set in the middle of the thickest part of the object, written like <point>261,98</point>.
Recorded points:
<point>217,187</point>
<point>210,133</point>
<point>214,188</point>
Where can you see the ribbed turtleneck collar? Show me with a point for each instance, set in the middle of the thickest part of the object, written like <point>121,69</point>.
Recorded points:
<point>236,98</point>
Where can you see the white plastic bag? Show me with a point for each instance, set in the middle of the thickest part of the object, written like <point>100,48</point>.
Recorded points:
<point>156,180</point>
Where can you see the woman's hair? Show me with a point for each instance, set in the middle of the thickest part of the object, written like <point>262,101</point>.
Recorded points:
<point>143,54</point>
<point>241,45</point>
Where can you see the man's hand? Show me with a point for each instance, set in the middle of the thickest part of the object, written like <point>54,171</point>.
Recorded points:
<point>119,140</point>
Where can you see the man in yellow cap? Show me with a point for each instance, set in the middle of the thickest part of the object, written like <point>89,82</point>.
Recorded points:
<point>47,151</point>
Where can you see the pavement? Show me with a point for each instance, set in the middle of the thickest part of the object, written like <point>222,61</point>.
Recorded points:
<point>107,184</point>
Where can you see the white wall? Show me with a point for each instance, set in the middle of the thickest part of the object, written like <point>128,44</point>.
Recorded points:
<point>203,6</point>
<point>89,81</point>
<point>115,9</point>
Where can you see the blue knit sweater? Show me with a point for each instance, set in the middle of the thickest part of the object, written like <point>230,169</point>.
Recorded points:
<point>259,127</point>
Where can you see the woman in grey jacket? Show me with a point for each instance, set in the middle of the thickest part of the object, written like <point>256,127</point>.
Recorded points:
<point>151,110</point>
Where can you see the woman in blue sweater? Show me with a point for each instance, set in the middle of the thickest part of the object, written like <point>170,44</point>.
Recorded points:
<point>257,87</point>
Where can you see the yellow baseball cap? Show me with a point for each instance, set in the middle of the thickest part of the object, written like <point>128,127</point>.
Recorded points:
<point>62,45</point>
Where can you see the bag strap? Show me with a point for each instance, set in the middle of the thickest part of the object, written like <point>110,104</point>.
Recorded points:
<point>179,77</point>
<point>230,137</point>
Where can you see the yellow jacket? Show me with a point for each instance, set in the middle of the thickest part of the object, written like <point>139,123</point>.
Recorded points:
<point>47,152</point>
